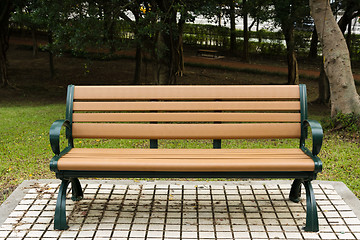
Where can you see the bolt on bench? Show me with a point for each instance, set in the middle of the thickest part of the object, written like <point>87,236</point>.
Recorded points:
<point>186,112</point>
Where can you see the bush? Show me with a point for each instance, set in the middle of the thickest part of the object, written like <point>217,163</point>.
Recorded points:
<point>347,122</point>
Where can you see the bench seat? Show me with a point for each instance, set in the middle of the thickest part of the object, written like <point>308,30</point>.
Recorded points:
<point>186,160</point>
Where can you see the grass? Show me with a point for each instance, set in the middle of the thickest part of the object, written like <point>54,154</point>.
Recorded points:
<point>25,151</point>
<point>24,143</point>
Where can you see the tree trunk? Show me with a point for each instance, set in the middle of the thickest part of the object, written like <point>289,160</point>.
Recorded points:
<point>162,65</point>
<point>324,87</point>
<point>35,45</point>
<point>259,34</point>
<point>345,19</point>
<point>4,41</point>
<point>337,65</point>
<point>179,49</point>
<point>139,55</point>
<point>246,33</point>
<point>232,27</point>
<point>348,38</point>
<point>314,45</point>
<point>293,73</point>
<point>138,65</point>
<point>51,55</point>
<point>109,25</point>
<point>168,51</point>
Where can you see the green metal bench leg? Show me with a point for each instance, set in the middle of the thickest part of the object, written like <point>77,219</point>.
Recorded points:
<point>77,193</point>
<point>295,192</point>
<point>312,221</point>
<point>60,210</point>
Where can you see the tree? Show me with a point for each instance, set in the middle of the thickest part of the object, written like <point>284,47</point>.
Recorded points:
<point>351,9</point>
<point>165,29</point>
<point>288,13</point>
<point>259,11</point>
<point>27,16</point>
<point>246,32</point>
<point>313,45</point>
<point>232,26</point>
<point>5,11</point>
<point>344,98</point>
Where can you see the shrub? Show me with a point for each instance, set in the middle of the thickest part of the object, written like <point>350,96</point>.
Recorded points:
<point>347,122</point>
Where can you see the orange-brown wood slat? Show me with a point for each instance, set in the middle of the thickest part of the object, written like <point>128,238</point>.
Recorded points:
<point>189,106</point>
<point>205,92</point>
<point>204,156</point>
<point>186,117</point>
<point>186,131</point>
<point>266,151</point>
<point>217,165</point>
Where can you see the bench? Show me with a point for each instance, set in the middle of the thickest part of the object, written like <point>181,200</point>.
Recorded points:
<point>186,112</point>
<point>207,53</point>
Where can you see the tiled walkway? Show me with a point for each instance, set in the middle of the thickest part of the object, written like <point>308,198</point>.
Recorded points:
<point>181,210</point>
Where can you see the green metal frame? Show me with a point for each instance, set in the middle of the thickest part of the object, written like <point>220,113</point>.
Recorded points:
<point>301,178</point>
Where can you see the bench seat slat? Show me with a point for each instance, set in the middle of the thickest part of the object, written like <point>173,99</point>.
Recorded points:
<point>189,106</point>
<point>179,162</point>
<point>186,131</point>
<point>204,92</point>
<point>170,156</point>
<point>267,151</point>
<point>186,117</point>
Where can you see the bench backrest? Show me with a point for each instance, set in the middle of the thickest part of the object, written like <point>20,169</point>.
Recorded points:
<point>186,112</point>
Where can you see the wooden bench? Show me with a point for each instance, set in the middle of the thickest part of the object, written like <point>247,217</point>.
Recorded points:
<point>207,53</point>
<point>186,112</point>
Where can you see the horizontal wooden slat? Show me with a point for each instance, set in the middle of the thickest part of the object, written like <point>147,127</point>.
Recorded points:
<point>186,165</point>
<point>260,92</point>
<point>188,156</point>
<point>186,131</point>
<point>186,160</point>
<point>189,106</point>
<point>147,151</point>
<point>186,117</point>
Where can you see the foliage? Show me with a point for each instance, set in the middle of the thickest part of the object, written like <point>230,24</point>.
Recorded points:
<point>345,122</point>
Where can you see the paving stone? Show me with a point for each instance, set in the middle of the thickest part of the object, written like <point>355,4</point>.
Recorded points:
<point>172,234</point>
<point>328,236</point>
<point>346,236</point>
<point>222,235</point>
<point>119,234</point>
<point>103,233</point>
<point>69,234</point>
<point>4,234</point>
<point>292,235</point>
<point>257,235</point>
<point>209,235</point>
<point>276,235</point>
<point>86,234</point>
<point>187,235</point>
<point>17,234</point>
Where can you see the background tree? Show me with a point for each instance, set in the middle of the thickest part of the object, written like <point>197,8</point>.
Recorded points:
<point>351,10</point>
<point>337,65</point>
<point>232,14</point>
<point>287,14</point>
<point>27,17</point>
<point>5,11</point>
<point>259,11</point>
<point>246,32</point>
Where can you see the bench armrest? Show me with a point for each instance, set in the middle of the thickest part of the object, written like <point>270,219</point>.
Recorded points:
<point>55,135</point>
<point>317,135</point>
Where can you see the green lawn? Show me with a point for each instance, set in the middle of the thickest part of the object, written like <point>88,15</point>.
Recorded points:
<point>25,149</point>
